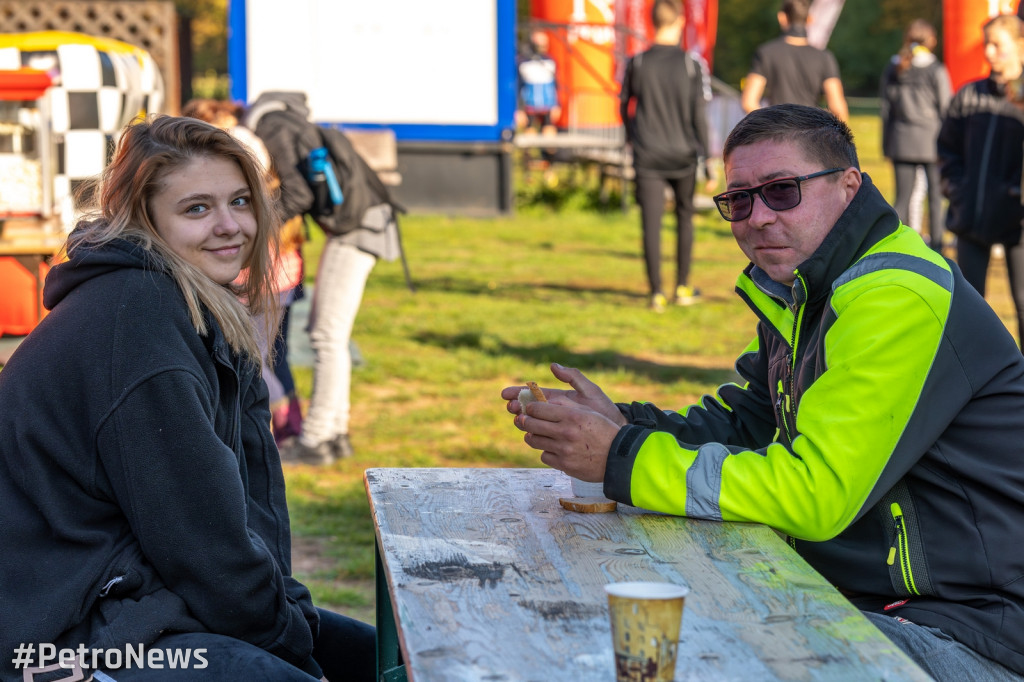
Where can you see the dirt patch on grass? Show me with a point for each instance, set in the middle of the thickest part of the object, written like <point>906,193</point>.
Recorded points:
<point>314,567</point>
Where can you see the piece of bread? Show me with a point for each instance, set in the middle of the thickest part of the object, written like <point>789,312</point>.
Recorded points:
<point>588,505</point>
<point>531,394</point>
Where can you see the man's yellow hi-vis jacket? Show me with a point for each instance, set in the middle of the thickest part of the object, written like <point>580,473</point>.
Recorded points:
<point>879,423</point>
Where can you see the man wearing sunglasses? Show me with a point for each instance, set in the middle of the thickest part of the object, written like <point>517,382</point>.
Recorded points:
<point>878,420</point>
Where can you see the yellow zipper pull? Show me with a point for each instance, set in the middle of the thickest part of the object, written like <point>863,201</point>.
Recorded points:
<point>897,517</point>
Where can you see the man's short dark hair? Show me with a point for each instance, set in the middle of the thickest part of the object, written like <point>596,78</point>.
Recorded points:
<point>664,12</point>
<point>796,12</point>
<point>817,132</point>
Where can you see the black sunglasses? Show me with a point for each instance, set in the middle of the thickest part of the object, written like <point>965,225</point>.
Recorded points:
<point>778,195</point>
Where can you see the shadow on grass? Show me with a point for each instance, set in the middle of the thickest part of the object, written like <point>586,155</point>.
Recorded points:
<point>607,360</point>
<point>479,288</point>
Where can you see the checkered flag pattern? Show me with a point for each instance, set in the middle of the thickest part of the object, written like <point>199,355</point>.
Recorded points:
<point>96,93</point>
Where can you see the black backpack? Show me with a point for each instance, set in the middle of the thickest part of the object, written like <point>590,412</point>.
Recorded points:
<point>343,185</point>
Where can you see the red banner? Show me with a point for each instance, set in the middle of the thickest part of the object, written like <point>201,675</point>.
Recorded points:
<point>701,29</point>
<point>636,33</point>
<point>963,41</point>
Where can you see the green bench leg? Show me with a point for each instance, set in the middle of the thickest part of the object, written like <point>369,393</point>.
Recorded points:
<point>389,654</point>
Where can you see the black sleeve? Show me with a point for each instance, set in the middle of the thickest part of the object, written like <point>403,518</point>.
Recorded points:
<point>699,117</point>
<point>625,95</point>
<point>952,164</point>
<point>285,146</point>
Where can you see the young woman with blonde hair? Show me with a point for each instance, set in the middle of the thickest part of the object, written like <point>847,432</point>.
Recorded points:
<point>980,156</point>
<point>141,492</point>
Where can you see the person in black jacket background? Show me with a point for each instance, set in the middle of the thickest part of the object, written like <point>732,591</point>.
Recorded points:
<point>981,149</point>
<point>669,135</point>
<point>915,92</point>
<point>142,502</point>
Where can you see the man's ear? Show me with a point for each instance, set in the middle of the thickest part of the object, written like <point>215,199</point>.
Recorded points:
<point>783,20</point>
<point>851,181</point>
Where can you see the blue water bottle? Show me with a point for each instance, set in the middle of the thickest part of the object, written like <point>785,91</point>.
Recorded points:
<point>322,173</point>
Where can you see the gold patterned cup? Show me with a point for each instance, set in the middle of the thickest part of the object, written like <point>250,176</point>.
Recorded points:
<point>645,617</point>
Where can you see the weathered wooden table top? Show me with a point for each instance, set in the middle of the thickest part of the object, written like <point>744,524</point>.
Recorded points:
<point>491,579</point>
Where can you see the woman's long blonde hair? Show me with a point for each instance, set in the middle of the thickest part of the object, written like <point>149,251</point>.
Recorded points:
<point>149,151</point>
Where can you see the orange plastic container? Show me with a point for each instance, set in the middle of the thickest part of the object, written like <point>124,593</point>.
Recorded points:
<point>583,47</point>
<point>963,48</point>
<point>19,309</point>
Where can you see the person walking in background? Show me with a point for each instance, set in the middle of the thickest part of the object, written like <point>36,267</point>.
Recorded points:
<point>981,148</point>
<point>288,271</point>
<point>789,70</point>
<point>914,94</point>
<point>669,135</point>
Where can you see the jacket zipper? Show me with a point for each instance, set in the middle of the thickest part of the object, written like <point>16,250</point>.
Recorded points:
<point>780,409</point>
<point>899,550</point>
<point>788,404</point>
<point>785,403</point>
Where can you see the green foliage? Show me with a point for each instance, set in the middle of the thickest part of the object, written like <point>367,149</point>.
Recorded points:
<point>209,33</point>
<point>742,26</point>
<point>862,47</point>
<point>211,85</point>
<point>564,188</point>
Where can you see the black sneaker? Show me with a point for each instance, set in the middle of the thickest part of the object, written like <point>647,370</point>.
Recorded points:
<point>341,447</point>
<point>299,453</point>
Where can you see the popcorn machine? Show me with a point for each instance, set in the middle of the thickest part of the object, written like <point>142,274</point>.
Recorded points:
<point>27,152</point>
<point>27,211</point>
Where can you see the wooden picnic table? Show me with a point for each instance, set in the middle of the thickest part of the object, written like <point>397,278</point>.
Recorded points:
<point>482,575</point>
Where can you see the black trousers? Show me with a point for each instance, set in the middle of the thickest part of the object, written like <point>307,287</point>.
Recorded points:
<point>973,259</point>
<point>905,175</point>
<point>345,649</point>
<point>650,195</point>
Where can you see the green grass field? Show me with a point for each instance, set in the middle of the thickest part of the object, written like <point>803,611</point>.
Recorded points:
<point>497,301</point>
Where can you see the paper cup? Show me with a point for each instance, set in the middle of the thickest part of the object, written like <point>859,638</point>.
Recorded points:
<point>645,618</point>
<point>586,488</point>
